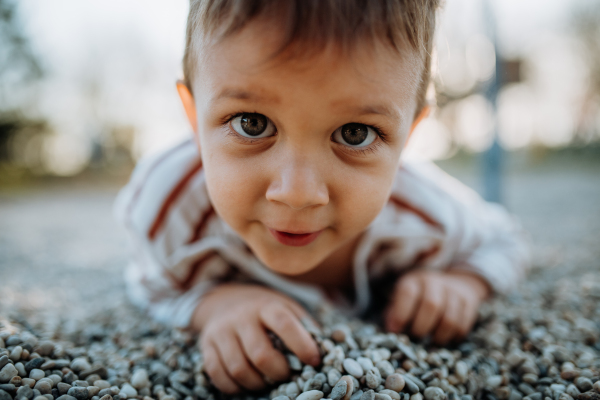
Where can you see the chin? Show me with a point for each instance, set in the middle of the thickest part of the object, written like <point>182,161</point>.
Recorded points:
<point>287,264</point>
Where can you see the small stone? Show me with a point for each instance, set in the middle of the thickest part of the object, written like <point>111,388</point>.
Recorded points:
<point>24,392</point>
<point>333,376</point>
<point>556,387</point>
<point>40,398</point>
<point>569,374</point>
<point>312,384</point>
<point>13,340</point>
<point>4,395</point>
<point>292,390</point>
<point>80,393</point>
<point>392,393</point>
<point>584,384</point>
<point>416,396</point>
<point>7,373</point>
<point>105,397</point>
<point>533,396</point>
<point>310,395</point>
<point>353,368</point>
<point>102,384</point>
<point>16,380</point>
<point>461,369</point>
<point>128,391</point>
<point>494,381</point>
<point>43,386</point>
<point>339,390</point>
<point>351,383</point>
<point>7,387</point>
<point>66,397</point>
<point>396,383</point>
<point>410,386</point>
<point>45,348</point>
<point>80,364</point>
<point>564,396</point>
<point>382,396</point>
<point>48,365</point>
<point>28,381</point>
<point>597,386</point>
<point>530,378</point>
<point>357,395</point>
<point>281,398</point>
<point>502,393</point>
<point>98,370</point>
<point>15,354</point>
<point>434,393</point>
<point>368,395</point>
<point>3,361</point>
<point>37,374</point>
<point>21,369</point>
<point>139,379</point>
<point>589,396</point>
<point>294,362</point>
<point>80,383</point>
<point>63,388</point>
<point>365,363</point>
<point>372,380</point>
<point>93,390</point>
<point>385,368</point>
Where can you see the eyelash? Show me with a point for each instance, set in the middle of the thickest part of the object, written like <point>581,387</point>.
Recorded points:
<point>359,151</point>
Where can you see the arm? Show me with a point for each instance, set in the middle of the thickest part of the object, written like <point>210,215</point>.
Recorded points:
<point>484,250</point>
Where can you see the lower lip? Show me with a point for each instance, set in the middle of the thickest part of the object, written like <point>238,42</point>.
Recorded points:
<point>290,239</point>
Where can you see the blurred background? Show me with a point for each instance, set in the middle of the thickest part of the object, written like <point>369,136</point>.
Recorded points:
<point>88,87</point>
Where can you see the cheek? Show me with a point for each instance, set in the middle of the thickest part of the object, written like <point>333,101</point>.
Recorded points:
<point>234,185</point>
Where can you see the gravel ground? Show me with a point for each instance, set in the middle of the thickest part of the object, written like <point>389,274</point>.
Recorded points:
<point>59,249</point>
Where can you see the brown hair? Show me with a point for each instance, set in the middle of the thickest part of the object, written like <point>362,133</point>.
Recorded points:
<point>316,22</point>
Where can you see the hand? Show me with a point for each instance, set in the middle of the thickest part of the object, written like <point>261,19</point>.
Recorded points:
<point>442,303</point>
<point>233,320</point>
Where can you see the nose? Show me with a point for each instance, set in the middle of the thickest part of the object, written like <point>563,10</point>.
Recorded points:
<point>298,183</point>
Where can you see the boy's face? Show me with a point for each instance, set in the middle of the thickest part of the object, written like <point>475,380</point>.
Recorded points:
<point>300,154</point>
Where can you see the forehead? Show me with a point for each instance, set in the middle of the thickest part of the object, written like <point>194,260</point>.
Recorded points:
<point>244,67</point>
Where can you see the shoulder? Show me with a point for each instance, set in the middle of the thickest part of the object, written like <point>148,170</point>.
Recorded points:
<point>158,183</point>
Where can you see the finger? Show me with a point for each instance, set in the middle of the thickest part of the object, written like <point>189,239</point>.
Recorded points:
<point>216,372</point>
<point>468,318</point>
<point>262,354</point>
<point>450,320</point>
<point>285,324</point>
<point>429,309</point>
<point>236,364</point>
<point>404,303</point>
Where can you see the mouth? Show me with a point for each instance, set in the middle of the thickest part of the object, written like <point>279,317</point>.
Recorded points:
<point>295,239</point>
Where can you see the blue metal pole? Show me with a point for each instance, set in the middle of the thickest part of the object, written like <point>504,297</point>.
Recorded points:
<point>491,159</point>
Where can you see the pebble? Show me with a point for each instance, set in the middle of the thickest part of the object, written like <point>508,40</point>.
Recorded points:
<point>382,396</point>
<point>66,397</point>
<point>28,381</point>
<point>310,395</point>
<point>396,383</point>
<point>37,374</point>
<point>128,391</point>
<point>80,393</point>
<point>80,364</point>
<point>494,381</point>
<point>353,368</point>
<point>63,388</point>
<point>3,361</point>
<point>15,354</point>
<point>43,386</point>
<point>365,363</point>
<point>102,384</point>
<point>139,379</point>
<point>93,390</point>
<point>339,390</point>
<point>40,398</point>
<point>333,376</point>
<point>21,369</point>
<point>25,392</point>
<point>410,386</point>
<point>597,386</point>
<point>368,395</point>
<point>416,396</point>
<point>351,385</point>
<point>584,384</point>
<point>7,373</point>
<point>281,398</point>
<point>372,380</point>
<point>4,395</point>
<point>434,393</point>
<point>392,393</point>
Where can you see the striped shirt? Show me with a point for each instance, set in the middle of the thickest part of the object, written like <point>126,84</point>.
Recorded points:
<point>182,249</point>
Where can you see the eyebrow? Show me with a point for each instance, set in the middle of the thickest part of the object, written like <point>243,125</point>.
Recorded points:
<point>377,109</point>
<point>240,94</point>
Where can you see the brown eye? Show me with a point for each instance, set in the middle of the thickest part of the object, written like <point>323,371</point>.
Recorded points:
<point>355,135</point>
<point>253,125</point>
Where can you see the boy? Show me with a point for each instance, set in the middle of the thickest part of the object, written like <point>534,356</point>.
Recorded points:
<point>292,190</point>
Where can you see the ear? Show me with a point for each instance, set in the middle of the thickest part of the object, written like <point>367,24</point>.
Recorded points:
<point>189,104</point>
<point>422,115</point>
